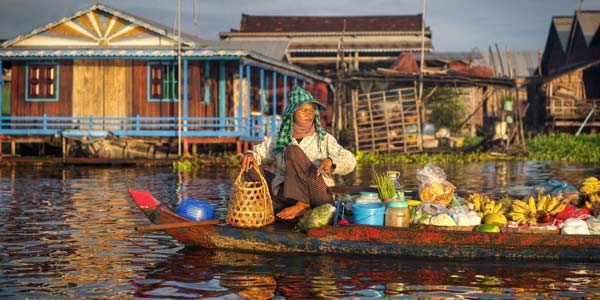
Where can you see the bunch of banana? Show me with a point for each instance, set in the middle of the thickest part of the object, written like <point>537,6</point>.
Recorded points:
<point>528,210</point>
<point>483,205</point>
<point>524,211</point>
<point>590,185</point>
<point>592,202</point>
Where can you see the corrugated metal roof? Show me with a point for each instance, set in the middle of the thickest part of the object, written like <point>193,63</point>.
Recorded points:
<point>589,22</point>
<point>213,53</point>
<point>329,23</point>
<point>451,55</point>
<point>275,49</point>
<point>523,63</point>
<point>563,28</point>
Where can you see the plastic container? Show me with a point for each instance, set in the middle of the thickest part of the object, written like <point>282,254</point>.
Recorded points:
<point>367,197</point>
<point>397,214</point>
<point>507,105</point>
<point>428,129</point>
<point>371,213</point>
<point>195,210</point>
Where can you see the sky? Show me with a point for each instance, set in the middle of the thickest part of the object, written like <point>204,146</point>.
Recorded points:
<point>457,25</point>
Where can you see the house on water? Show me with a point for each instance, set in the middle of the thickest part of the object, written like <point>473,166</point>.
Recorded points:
<point>568,97</point>
<point>103,77</point>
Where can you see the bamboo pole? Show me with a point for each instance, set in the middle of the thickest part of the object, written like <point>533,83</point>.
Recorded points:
<point>500,59</point>
<point>424,3</point>
<point>176,225</point>
<point>180,101</point>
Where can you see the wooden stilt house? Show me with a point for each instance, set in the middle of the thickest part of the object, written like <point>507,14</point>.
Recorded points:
<point>102,72</point>
<point>568,95</point>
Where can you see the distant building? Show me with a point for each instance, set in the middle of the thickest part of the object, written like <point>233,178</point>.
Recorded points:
<point>316,42</point>
<point>570,71</point>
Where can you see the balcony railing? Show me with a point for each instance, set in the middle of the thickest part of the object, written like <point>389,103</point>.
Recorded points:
<point>247,129</point>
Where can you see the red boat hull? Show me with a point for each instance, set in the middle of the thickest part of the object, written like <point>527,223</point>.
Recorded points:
<point>376,240</point>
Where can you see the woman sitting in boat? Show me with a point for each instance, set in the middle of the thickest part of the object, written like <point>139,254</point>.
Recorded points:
<point>305,157</point>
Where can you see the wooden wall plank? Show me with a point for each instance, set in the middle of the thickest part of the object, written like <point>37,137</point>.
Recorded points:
<point>117,90</point>
<point>88,88</point>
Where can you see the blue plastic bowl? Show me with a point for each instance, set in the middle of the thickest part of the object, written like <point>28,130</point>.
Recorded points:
<point>195,210</point>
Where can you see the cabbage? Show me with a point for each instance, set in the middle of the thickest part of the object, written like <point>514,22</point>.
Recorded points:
<point>317,217</point>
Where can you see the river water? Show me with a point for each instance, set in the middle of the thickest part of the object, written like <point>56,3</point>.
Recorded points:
<point>68,233</point>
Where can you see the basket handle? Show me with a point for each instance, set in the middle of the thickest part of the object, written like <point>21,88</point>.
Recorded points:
<point>260,175</point>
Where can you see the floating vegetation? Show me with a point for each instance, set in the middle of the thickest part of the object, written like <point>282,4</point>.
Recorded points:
<point>561,147</point>
<point>565,147</point>
<point>557,147</point>
<point>188,164</point>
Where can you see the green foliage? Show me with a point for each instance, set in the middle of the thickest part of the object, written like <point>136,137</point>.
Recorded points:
<point>472,141</point>
<point>226,159</point>
<point>447,109</point>
<point>184,165</point>
<point>565,147</point>
<point>562,147</point>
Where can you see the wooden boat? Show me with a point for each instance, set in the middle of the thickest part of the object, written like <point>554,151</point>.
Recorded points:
<point>370,240</point>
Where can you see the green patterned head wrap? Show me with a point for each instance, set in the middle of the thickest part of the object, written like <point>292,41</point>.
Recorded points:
<point>298,97</point>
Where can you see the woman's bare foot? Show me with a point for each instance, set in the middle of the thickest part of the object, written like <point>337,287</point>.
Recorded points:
<point>292,212</point>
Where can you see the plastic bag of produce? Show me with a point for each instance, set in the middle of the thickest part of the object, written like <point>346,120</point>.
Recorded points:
<point>434,187</point>
<point>593,225</point>
<point>560,189</point>
<point>575,226</point>
<point>442,220</point>
<point>317,217</point>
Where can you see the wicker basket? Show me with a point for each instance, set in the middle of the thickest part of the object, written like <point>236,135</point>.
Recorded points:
<point>250,203</point>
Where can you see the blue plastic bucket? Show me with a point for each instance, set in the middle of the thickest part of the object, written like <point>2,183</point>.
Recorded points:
<point>371,213</point>
<point>196,210</point>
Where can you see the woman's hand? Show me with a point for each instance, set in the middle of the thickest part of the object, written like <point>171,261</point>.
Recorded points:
<point>292,212</point>
<point>325,166</point>
<point>247,161</point>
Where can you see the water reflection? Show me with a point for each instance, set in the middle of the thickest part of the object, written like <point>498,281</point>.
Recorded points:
<point>215,273</point>
<point>67,233</point>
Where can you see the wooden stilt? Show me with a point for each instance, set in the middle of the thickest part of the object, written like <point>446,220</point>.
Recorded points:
<point>185,147</point>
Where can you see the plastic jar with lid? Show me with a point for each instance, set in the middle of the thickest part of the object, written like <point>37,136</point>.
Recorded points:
<point>366,197</point>
<point>397,214</point>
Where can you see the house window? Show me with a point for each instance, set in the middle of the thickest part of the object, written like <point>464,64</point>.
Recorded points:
<point>162,81</point>
<point>42,81</point>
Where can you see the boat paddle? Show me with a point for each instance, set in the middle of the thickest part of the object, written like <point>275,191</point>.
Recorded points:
<point>176,225</point>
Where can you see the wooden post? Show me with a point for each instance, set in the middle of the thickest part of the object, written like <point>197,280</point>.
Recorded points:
<point>371,119</point>
<point>1,96</point>
<point>274,124</point>
<point>185,147</point>
<point>185,97</point>
<point>387,123</point>
<point>404,134</point>
<point>354,96</point>
<point>493,61</point>
<point>222,95</point>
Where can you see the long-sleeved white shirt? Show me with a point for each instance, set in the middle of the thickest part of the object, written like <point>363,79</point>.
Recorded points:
<point>315,149</point>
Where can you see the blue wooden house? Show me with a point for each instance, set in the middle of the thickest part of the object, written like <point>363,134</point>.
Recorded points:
<point>102,71</point>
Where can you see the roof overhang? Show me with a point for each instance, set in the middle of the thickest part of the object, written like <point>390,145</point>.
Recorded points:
<point>324,33</point>
<point>248,57</point>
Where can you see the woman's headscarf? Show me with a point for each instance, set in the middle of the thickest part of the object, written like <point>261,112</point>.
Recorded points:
<point>298,97</point>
